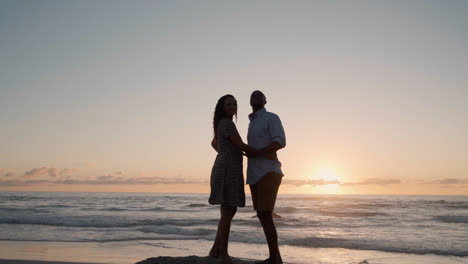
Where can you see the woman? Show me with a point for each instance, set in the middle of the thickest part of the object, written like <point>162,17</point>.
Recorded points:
<point>227,179</point>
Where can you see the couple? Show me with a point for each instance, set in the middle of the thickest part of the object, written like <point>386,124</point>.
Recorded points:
<point>265,137</point>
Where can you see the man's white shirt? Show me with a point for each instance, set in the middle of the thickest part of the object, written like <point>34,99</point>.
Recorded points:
<point>264,129</point>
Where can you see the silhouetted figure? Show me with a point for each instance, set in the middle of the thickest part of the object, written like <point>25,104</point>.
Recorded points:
<point>227,179</point>
<point>264,175</point>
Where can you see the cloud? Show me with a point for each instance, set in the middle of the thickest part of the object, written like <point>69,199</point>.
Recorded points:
<point>4,183</point>
<point>37,171</point>
<point>309,182</point>
<point>370,181</point>
<point>68,171</point>
<point>106,180</point>
<point>373,181</point>
<point>449,181</point>
<point>53,172</point>
<point>6,172</point>
<point>118,178</point>
<point>114,180</point>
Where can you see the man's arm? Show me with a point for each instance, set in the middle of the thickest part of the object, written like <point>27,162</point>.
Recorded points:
<point>268,152</point>
<point>278,139</point>
<point>270,149</point>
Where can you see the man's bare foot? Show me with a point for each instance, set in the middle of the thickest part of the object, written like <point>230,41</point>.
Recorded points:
<point>225,259</point>
<point>276,260</point>
<point>214,253</point>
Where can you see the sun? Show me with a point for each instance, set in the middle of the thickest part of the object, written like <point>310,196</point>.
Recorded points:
<point>327,174</point>
<point>330,182</point>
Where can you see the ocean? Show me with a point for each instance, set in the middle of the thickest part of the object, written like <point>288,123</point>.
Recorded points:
<point>415,225</point>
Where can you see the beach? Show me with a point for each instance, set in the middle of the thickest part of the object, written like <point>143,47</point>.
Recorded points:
<point>137,251</point>
<point>123,228</point>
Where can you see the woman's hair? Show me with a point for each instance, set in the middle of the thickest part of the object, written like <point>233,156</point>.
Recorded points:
<point>219,112</point>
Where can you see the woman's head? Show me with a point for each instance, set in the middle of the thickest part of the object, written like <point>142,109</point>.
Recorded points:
<point>226,107</point>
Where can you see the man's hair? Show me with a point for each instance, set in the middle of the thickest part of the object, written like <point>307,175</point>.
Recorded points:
<point>257,92</point>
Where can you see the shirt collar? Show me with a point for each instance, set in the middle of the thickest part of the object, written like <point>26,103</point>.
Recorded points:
<point>260,112</point>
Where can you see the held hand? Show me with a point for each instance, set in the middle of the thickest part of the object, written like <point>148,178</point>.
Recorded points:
<point>256,153</point>
<point>249,154</point>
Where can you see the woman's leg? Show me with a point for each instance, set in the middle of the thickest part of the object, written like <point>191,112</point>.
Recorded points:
<point>214,252</point>
<point>227,213</point>
<point>224,225</point>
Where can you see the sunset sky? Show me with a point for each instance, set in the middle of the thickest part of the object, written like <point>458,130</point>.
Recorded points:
<point>119,95</point>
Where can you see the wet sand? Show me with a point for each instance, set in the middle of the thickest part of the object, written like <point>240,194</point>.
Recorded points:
<point>22,261</point>
<point>193,252</point>
<point>191,260</point>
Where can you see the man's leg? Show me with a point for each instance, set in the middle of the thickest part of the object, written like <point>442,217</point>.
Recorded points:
<point>266,218</point>
<point>267,191</point>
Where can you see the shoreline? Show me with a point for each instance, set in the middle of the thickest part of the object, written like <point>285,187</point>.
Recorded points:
<point>280,194</point>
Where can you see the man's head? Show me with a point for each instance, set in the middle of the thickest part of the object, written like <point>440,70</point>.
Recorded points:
<point>257,100</point>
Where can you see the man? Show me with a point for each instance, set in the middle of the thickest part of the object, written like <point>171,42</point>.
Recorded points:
<point>264,175</point>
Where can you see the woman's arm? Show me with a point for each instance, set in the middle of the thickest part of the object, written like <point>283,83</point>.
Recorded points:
<point>268,152</point>
<point>237,141</point>
<point>214,144</point>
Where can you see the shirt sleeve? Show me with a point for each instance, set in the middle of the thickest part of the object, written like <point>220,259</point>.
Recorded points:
<point>277,130</point>
<point>228,128</point>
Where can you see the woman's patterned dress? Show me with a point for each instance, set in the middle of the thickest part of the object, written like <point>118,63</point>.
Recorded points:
<point>227,177</point>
